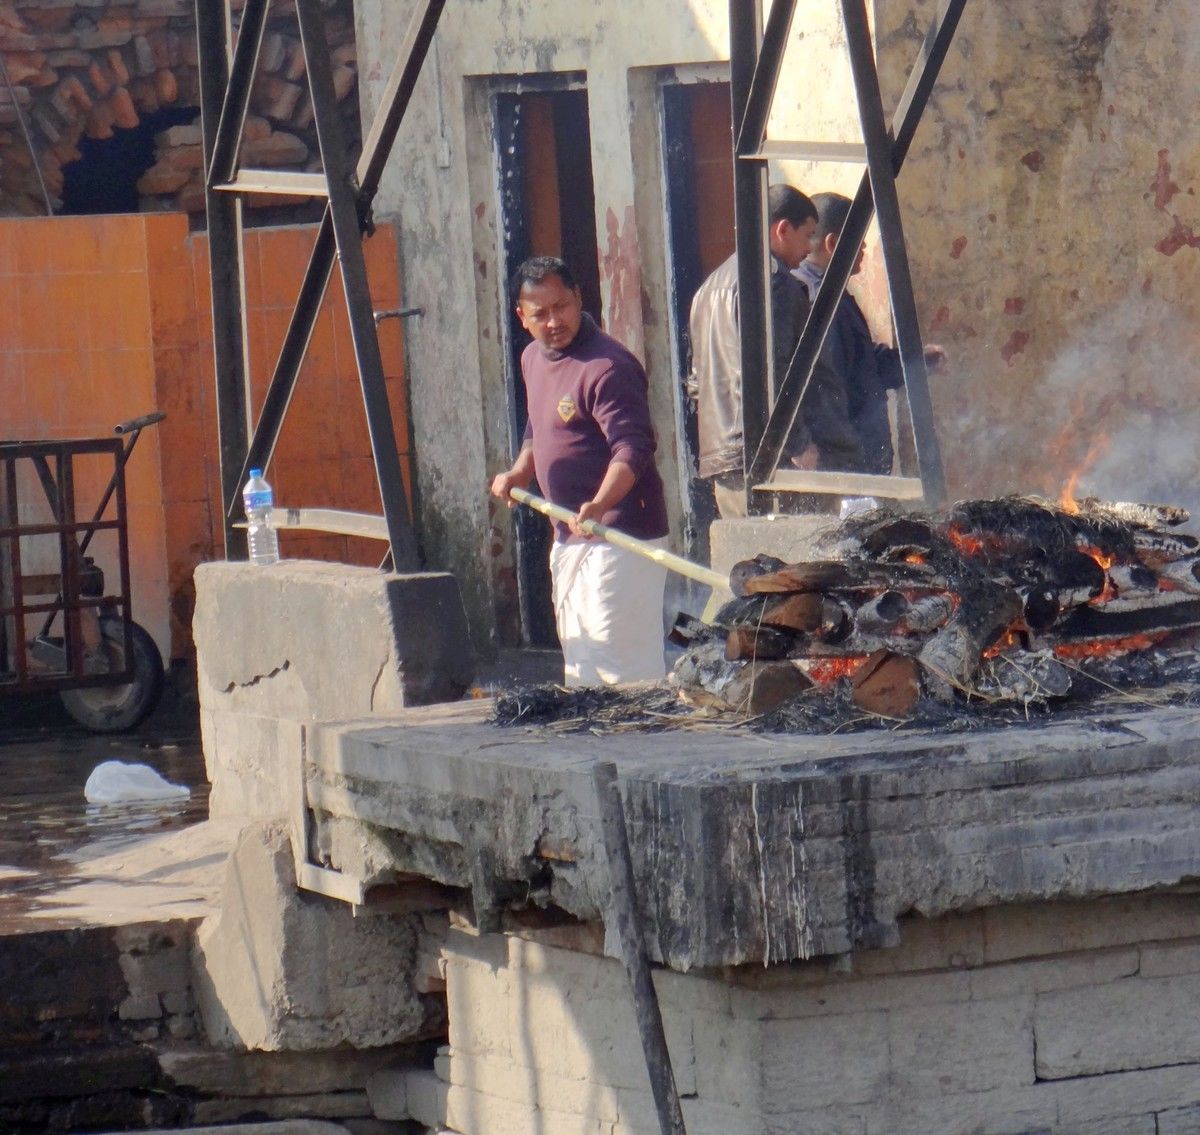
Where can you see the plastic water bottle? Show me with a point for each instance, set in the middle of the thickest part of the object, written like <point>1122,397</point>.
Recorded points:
<point>262,539</point>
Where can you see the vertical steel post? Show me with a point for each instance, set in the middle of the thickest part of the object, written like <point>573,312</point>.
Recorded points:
<point>750,192</point>
<point>225,264</point>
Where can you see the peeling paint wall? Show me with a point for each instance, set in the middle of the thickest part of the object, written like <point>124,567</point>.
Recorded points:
<point>1051,212</point>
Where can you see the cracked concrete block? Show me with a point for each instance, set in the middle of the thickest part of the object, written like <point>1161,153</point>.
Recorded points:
<point>302,641</point>
<point>279,969</point>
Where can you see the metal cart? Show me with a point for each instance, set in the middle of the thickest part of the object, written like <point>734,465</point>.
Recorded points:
<point>61,630</point>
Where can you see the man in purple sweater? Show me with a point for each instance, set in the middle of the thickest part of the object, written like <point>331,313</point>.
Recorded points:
<point>590,443</point>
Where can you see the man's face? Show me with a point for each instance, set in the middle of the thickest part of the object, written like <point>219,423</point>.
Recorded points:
<point>551,312</point>
<point>792,243</point>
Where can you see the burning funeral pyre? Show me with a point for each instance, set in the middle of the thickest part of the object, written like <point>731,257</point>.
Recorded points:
<point>1011,600</point>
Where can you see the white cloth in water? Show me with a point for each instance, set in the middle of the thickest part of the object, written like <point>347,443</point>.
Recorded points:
<point>608,605</point>
<point>115,782</point>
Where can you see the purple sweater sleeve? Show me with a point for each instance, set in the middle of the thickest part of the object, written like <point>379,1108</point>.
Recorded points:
<point>617,402</point>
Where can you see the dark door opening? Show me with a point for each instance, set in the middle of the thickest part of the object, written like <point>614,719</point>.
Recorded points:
<point>698,160</point>
<point>547,208</point>
<point>104,179</point>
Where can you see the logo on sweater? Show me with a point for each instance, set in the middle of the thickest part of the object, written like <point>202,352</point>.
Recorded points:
<point>566,408</point>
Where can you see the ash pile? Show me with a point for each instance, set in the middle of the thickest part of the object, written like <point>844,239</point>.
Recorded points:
<point>1012,603</point>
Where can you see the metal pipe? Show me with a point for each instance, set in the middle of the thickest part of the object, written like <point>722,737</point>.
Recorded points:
<point>619,539</point>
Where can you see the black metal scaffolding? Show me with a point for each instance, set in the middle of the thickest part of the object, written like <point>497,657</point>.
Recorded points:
<point>226,80</point>
<point>771,403</point>
<point>757,53</point>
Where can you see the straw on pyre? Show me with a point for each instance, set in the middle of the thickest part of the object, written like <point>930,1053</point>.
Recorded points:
<point>995,599</point>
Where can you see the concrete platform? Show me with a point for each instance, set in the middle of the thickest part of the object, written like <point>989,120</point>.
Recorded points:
<point>766,849</point>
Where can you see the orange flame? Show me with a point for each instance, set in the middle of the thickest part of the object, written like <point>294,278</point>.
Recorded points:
<point>1066,499</point>
<point>1010,638</point>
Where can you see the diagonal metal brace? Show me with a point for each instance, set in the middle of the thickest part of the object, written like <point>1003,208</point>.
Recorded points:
<point>792,389</point>
<point>343,210</point>
<point>377,149</point>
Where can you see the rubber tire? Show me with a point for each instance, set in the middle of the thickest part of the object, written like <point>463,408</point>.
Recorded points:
<point>114,709</point>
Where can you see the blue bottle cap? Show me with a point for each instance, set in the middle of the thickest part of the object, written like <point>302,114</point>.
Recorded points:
<point>255,472</point>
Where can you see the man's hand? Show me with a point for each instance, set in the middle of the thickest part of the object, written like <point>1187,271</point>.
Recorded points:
<point>510,479</point>
<point>589,510</point>
<point>520,476</point>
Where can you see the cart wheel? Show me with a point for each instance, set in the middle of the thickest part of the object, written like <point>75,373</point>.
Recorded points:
<point>113,709</point>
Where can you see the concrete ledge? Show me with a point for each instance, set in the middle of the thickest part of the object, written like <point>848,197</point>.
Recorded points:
<point>764,849</point>
<point>302,641</point>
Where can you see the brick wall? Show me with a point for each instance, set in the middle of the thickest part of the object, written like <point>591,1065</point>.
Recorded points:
<point>83,71</point>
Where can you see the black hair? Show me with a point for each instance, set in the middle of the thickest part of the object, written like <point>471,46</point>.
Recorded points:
<point>536,269</point>
<point>832,211</point>
<point>787,203</point>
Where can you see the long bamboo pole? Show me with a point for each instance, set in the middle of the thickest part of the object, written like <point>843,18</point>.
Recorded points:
<point>619,539</point>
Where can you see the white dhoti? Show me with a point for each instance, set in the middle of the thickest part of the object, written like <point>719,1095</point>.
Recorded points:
<point>608,605</point>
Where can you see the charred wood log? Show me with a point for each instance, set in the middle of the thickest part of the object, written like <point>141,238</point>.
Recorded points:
<point>954,653</point>
<point>880,614</point>
<point>801,611</point>
<point>887,684</point>
<point>1149,515</point>
<point>1026,677</point>
<point>745,570</point>
<point>757,642</point>
<point>1101,623</point>
<point>704,677</point>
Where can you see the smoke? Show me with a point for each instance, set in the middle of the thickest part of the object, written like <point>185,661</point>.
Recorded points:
<point>1119,407</point>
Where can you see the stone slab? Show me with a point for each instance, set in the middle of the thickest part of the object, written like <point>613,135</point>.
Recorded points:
<point>755,848</point>
<point>302,641</point>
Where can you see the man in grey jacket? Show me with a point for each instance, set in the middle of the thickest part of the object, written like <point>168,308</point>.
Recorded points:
<point>824,437</point>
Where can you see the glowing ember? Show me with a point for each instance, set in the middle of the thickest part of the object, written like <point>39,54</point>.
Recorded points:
<point>1008,640</point>
<point>914,558</point>
<point>826,670</point>
<point>1106,648</point>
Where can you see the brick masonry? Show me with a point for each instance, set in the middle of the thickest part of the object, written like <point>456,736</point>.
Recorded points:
<point>85,70</point>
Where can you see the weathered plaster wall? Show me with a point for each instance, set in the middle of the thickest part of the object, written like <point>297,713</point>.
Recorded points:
<point>1050,208</point>
<point>440,188</point>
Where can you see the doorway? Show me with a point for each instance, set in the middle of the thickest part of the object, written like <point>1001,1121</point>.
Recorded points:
<point>547,208</point>
<point>698,166</point>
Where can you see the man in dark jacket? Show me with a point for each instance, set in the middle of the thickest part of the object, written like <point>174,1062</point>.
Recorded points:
<point>824,437</point>
<point>868,369</point>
